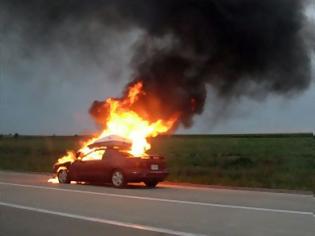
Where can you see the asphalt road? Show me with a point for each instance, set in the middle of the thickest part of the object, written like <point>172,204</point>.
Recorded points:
<point>31,206</point>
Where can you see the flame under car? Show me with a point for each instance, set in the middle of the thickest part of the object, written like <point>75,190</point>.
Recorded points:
<point>111,162</point>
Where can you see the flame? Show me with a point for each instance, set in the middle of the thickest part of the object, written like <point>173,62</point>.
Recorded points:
<point>53,180</point>
<point>124,122</point>
<point>67,158</point>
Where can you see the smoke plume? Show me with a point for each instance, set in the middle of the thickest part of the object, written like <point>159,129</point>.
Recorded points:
<point>238,48</point>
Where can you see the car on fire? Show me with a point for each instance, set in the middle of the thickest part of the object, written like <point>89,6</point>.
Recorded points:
<point>110,162</point>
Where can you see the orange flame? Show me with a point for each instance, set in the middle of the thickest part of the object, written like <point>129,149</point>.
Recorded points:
<point>126,123</point>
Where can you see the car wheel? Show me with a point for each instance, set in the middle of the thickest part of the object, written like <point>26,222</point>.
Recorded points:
<point>63,176</point>
<point>118,179</point>
<point>151,184</point>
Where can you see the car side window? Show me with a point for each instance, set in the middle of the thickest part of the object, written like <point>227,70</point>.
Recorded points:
<point>95,155</point>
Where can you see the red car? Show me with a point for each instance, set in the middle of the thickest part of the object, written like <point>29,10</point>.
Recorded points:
<point>109,164</point>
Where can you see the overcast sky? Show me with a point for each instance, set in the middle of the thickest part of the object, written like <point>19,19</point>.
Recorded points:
<point>53,106</point>
<point>52,92</point>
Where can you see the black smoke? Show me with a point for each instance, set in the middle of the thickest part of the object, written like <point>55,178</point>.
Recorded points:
<point>238,47</point>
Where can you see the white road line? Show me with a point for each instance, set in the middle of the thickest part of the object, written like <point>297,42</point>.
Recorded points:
<point>164,200</point>
<point>302,193</point>
<point>99,220</point>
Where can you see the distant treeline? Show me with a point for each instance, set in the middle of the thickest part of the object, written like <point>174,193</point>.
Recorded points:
<point>258,135</point>
<point>249,135</point>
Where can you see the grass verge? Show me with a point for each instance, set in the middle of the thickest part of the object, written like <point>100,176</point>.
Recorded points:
<point>262,161</point>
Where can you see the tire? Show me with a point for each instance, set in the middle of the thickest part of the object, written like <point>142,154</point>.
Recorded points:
<point>118,179</point>
<point>63,176</point>
<point>151,184</point>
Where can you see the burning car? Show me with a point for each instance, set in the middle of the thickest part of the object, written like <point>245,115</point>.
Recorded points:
<point>118,154</point>
<point>109,159</point>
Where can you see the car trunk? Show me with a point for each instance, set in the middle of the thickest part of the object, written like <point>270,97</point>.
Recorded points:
<point>150,163</point>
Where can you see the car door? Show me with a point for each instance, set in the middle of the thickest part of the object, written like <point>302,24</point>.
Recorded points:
<point>90,167</point>
<point>77,170</point>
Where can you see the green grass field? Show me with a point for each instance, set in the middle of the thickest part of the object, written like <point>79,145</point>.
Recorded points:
<point>267,161</point>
